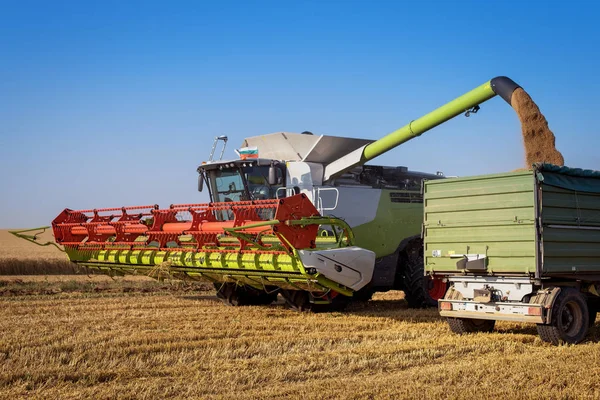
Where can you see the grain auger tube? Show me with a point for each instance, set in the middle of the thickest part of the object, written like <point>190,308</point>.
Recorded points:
<point>466,104</point>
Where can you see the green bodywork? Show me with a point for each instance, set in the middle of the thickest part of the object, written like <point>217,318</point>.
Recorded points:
<point>393,222</point>
<point>496,215</point>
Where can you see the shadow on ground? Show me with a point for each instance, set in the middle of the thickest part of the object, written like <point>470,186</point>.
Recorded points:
<point>398,310</point>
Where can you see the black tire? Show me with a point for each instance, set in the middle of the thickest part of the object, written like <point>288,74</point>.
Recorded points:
<point>414,282</point>
<point>570,319</point>
<point>297,300</point>
<point>468,325</point>
<point>593,307</point>
<point>363,295</point>
<point>300,301</point>
<point>236,295</point>
<point>592,315</point>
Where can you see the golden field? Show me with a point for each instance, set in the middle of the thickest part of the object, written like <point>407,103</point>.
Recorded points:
<point>15,248</point>
<point>63,337</point>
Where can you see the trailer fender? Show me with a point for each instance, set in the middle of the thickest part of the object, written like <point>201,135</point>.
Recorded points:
<point>546,298</point>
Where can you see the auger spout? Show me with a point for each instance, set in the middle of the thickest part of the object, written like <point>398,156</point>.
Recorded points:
<point>501,86</point>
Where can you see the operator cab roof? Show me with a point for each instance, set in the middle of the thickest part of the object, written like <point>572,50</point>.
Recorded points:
<point>250,162</point>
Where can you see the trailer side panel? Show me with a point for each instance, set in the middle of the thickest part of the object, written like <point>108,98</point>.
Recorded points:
<point>490,216</point>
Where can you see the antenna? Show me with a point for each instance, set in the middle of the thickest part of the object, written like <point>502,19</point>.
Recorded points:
<point>214,146</point>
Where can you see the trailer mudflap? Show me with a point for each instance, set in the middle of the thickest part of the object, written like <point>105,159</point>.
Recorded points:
<point>546,298</point>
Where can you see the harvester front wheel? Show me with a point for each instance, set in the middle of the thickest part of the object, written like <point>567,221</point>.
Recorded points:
<point>235,295</point>
<point>420,291</point>
<point>593,307</point>
<point>300,301</point>
<point>593,314</point>
<point>363,295</point>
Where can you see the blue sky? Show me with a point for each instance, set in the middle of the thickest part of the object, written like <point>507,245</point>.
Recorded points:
<point>116,103</point>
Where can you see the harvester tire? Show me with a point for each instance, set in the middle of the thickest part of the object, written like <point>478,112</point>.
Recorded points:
<point>593,307</point>
<point>468,325</point>
<point>299,300</point>
<point>363,295</point>
<point>415,283</point>
<point>236,295</point>
<point>570,319</point>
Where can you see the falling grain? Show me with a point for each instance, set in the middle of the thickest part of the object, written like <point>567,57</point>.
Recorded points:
<point>538,139</point>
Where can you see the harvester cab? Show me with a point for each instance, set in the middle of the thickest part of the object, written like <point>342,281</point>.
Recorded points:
<point>299,215</point>
<point>242,180</point>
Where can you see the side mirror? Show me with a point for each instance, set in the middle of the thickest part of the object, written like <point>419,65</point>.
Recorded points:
<point>272,175</point>
<point>200,182</point>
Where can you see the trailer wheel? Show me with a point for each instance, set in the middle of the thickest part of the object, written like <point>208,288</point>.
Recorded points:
<point>468,325</point>
<point>420,290</point>
<point>570,319</point>
<point>299,300</point>
<point>236,295</point>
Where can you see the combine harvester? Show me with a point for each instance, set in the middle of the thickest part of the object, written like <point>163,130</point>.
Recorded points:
<point>270,227</point>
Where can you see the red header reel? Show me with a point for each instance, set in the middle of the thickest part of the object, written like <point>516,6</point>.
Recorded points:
<point>211,225</point>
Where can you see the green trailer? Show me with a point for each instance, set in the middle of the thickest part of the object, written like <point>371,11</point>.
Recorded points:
<point>519,246</point>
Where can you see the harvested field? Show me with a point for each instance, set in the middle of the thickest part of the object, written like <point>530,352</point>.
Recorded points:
<point>19,257</point>
<point>12,247</point>
<point>189,345</point>
<point>96,337</point>
<point>77,284</point>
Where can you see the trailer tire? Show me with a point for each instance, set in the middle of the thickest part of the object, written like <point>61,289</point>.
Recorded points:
<point>415,284</point>
<point>236,295</point>
<point>570,319</point>
<point>468,325</point>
